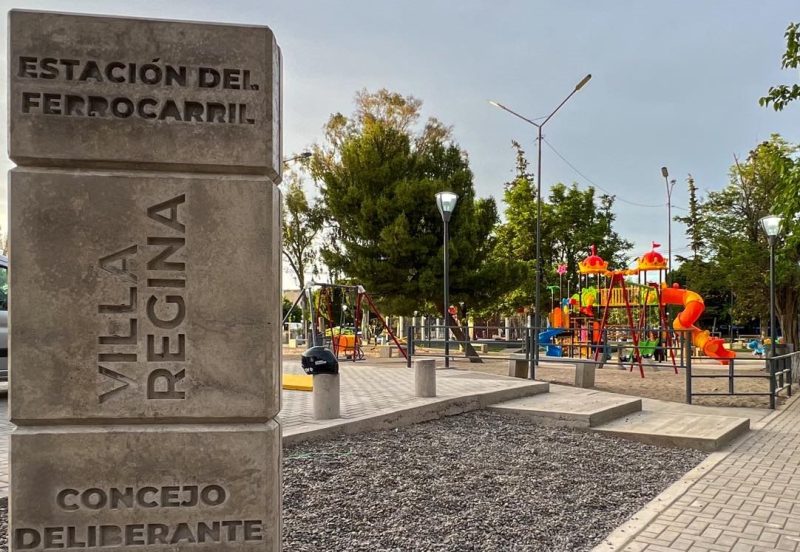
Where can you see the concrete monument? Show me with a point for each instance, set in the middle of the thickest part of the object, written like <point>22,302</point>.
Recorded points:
<point>145,284</point>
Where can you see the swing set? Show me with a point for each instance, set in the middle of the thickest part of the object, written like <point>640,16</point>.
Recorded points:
<point>355,306</point>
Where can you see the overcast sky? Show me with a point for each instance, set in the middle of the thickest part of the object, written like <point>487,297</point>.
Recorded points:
<point>674,83</point>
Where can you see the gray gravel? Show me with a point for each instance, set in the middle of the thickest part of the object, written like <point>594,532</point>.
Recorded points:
<point>4,524</point>
<point>475,482</point>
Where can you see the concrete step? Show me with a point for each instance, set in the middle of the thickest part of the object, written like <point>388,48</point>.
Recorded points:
<point>571,407</point>
<point>702,432</point>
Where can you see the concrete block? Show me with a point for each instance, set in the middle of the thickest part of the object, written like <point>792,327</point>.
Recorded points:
<point>425,377</point>
<point>140,297</point>
<point>146,278</point>
<point>146,487</point>
<point>326,396</point>
<point>386,351</point>
<point>518,366</point>
<point>584,374</point>
<point>118,92</point>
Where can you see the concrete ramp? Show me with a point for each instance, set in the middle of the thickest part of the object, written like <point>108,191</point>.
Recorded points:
<point>660,423</point>
<point>702,432</point>
<point>571,407</point>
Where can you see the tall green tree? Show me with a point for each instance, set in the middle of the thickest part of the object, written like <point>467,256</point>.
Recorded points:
<point>738,245</point>
<point>573,220</point>
<point>379,170</point>
<point>301,224</point>
<point>780,96</point>
<point>694,223</point>
<point>576,220</point>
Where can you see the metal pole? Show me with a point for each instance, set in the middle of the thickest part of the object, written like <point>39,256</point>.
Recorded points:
<point>536,317</point>
<point>687,342</point>
<point>446,296</point>
<point>772,295</point>
<point>669,226</point>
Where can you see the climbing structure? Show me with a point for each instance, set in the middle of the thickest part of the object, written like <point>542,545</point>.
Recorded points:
<point>642,296</point>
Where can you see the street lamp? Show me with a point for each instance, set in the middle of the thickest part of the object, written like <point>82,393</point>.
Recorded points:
<point>670,185</point>
<point>446,202</point>
<point>772,227</point>
<point>539,126</point>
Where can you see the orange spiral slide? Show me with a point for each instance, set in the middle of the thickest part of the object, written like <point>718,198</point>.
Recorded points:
<point>693,307</point>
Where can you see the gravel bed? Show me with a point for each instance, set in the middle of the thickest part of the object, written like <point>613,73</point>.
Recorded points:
<point>4,524</point>
<point>475,482</point>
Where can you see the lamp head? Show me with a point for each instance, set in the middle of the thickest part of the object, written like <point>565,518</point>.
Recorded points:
<point>581,84</point>
<point>771,225</point>
<point>664,172</point>
<point>446,202</point>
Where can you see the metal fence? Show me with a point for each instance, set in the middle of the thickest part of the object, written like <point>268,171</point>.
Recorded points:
<point>674,351</point>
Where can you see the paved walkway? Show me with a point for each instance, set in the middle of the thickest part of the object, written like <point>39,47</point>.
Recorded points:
<point>743,500</point>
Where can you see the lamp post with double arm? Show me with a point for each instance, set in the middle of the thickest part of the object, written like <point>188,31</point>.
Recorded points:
<point>539,127</point>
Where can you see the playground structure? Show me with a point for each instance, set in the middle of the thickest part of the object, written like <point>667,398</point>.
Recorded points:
<point>344,336</point>
<point>610,307</point>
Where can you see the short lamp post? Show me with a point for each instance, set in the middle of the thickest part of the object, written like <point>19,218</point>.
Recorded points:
<point>772,227</point>
<point>446,202</point>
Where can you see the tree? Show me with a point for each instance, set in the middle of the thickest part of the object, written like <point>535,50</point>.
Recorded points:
<point>572,221</point>
<point>783,94</point>
<point>301,223</point>
<point>379,171</point>
<point>516,238</point>
<point>693,222</point>
<point>738,245</point>
<point>575,221</point>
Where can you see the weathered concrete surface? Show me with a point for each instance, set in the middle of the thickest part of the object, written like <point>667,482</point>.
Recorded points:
<point>147,485</point>
<point>660,423</point>
<point>425,377</point>
<point>326,396</point>
<point>87,244</point>
<point>518,365</point>
<point>145,286</point>
<point>570,407</point>
<point>109,81</point>
<point>702,432</point>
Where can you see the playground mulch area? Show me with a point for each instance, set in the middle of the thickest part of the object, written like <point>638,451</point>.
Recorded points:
<point>663,384</point>
<point>477,481</point>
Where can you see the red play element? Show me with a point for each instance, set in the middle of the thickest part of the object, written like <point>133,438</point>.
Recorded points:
<point>652,260</point>
<point>618,279</point>
<point>593,264</point>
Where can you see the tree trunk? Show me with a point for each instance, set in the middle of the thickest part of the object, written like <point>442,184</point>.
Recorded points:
<point>459,334</point>
<point>786,306</point>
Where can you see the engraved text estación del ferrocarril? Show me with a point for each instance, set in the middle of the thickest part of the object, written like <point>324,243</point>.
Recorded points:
<point>141,106</point>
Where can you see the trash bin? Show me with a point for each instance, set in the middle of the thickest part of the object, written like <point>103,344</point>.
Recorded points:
<point>319,360</point>
<point>321,363</point>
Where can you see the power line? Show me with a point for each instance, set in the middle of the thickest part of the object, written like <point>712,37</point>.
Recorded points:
<point>596,185</point>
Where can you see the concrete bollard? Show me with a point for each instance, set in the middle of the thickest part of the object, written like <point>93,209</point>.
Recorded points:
<point>326,396</point>
<point>518,366</point>
<point>584,374</point>
<point>425,377</point>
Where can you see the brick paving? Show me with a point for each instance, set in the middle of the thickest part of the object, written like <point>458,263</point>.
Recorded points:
<point>748,502</point>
